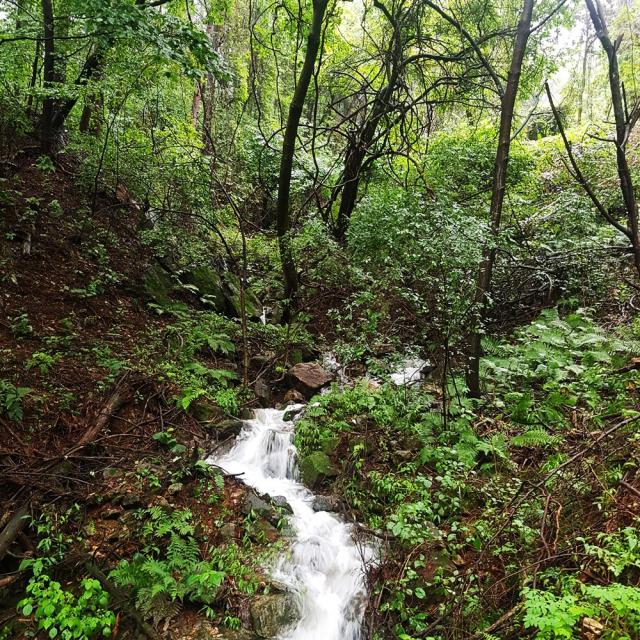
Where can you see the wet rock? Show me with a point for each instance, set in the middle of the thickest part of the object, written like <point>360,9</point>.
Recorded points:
<point>281,503</point>
<point>308,378</point>
<point>326,503</point>
<point>294,396</point>
<point>253,503</point>
<point>292,412</point>
<point>273,614</point>
<point>228,428</point>
<point>315,468</point>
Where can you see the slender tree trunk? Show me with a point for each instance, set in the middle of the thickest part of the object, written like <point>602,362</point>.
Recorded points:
<point>34,73</point>
<point>585,67</point>
<point>624,124</point>
<point>48,77</point>
<point>485,268</point>
<point>195,103</point>
<point>283,209</point>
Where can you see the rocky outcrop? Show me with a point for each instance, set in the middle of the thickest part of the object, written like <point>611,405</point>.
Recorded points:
<point>273,614</point>
<point>217,290</point>
<point>308,378</point>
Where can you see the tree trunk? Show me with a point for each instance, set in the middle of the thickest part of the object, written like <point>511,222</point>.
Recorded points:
<point>485,268</point>
<point>48,77</point>
<point>355,157</point>
<point>585,68</point>
<point>283,210</point>
<point>34,73</point>
<point>624,124</point>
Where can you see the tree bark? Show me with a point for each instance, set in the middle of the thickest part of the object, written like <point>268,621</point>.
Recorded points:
<point>48,77</point>
<point>283,209</point>
<point>624,123</point>
<point>485,268</point>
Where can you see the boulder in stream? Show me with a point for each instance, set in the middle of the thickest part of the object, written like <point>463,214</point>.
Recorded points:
<point>308,378</point>
<point>273,614</point>
<point>326,503</point>
<point>264,506</point>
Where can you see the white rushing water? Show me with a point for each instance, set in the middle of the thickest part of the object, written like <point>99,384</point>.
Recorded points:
<point>325,568</point>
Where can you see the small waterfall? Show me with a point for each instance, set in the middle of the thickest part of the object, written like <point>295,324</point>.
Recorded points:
<point>326,568</point>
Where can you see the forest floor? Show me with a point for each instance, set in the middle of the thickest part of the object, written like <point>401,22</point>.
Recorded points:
<point>79,458</point>
<point>105,424</point>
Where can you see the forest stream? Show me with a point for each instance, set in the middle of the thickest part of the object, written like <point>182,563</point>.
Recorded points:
<point>325,567</point>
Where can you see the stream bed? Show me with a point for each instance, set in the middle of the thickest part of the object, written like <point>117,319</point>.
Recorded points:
<point>324,568</point>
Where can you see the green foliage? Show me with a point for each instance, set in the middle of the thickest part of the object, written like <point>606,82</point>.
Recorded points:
<point>409,245</point>
<point>169,569</point>
<point>617,552</point>
<point>614,608</point>
<point>11,399</point>
<point>21,326</point>
<point>62,614</point>
<point>563,363</point>
<point>42,361</point>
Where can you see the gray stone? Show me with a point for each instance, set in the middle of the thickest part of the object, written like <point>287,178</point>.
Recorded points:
<point>326,503</point>
<point>253,503</point>
<point>273,614</point>
<point>262,390</point>
<point>281,503</point>
<point>229,531</point>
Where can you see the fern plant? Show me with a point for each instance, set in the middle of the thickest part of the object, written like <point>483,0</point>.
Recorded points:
<point>162,581</point>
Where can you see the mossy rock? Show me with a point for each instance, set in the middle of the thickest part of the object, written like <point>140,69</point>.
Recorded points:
<point>329,444</point>
<point>158,285</point>
<point>317,467</point>
<point>210,286</point>
<point>204,410</point>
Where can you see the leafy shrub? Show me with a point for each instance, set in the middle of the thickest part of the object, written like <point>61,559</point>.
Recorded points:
<point>64,615</point>
<point>11,399</point>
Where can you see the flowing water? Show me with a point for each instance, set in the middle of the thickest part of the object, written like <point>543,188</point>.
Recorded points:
<point>325,568</point>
